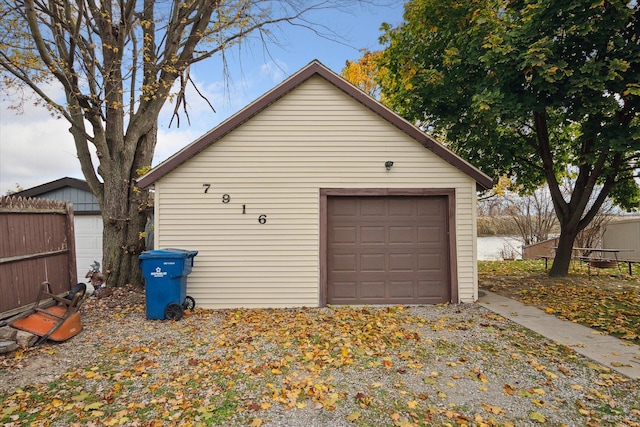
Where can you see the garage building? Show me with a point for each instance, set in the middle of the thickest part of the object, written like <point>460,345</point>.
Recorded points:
<point>317,194</point>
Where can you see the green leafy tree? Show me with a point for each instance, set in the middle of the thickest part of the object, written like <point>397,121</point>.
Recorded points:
<point>531,89</point>
<point>118,63</point>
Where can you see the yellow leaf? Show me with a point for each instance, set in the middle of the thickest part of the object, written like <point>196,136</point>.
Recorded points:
<point>353,416</point>
<point>265,405</point>
<point>509,389</point>
<point>80,397</point>
<point>412,404</point>
<point>93,406</point>
<point>537,416</point>
<point>496,410</point>
<point>257,422</point>
<point>331,400</point>
<point>620,365</point>
<point>576,387</point>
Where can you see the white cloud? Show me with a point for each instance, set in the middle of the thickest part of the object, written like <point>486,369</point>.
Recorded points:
<point>275,70</point>
<point>35,148</point>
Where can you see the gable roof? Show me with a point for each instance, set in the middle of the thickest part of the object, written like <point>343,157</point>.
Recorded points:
<point>483,182</point>
<point>54,185</point>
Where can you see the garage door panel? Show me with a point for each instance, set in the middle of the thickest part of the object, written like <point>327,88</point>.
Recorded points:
<point>430,262</point>
<point>372,290</point>
<point>429,289</point>
<point>343,235</point>
<point>433,210</point>
<point>401,289</point>
<point>400,250</point>
<point>347,209</point>
<point>372,209</point>
<point>345,291</point>
<point>372,234</point>
<point>430,235</point>
<point>372,263</point>
<point>402,263</point>
<point>402,235</point>
<point>345,263</point>
<point>402,208</point>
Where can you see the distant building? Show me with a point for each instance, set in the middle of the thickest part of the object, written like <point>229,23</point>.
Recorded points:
<point>87,217</point>
<point>623,233</point>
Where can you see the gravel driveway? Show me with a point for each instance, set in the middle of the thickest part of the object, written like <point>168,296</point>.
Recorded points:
<point>338,366</point>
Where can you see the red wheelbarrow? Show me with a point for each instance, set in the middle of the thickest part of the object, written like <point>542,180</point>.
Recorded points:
<point>57,323</point>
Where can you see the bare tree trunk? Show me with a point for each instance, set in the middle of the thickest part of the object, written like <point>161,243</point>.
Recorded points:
<point>562,260</point>
<point>123,241</point>
<point>125,210</point>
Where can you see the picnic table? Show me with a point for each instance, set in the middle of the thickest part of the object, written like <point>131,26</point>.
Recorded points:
<point>608,258</point>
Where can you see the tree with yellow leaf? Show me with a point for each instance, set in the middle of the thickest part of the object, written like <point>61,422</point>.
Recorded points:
<point>365,72</point>
<point>117,63</point>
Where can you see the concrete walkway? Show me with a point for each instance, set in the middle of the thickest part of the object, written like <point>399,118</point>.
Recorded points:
<point>604,349</point>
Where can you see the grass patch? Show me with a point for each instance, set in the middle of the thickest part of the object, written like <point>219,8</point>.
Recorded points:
<point>608,302</point>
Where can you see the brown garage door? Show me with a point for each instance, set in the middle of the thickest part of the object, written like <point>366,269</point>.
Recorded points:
<point>387,250</point>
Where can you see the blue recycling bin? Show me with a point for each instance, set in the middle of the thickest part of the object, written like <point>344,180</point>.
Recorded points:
<point>165,274</point>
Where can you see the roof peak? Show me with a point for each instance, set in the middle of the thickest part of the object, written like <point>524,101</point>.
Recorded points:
<point>315,67</point>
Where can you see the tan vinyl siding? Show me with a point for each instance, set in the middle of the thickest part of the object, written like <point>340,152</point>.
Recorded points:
<point>274,164</point>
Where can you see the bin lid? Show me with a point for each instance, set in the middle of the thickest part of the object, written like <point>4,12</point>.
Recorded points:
<point>171,253</point>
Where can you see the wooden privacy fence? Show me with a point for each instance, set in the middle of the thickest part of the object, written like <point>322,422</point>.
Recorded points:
<point>36,245</point>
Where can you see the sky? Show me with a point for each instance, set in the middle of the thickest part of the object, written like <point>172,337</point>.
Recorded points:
<point>36,148</point>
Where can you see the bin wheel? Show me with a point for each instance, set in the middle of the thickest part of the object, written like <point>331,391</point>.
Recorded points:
<point>189,303</point>
<point>173,311</point>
